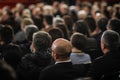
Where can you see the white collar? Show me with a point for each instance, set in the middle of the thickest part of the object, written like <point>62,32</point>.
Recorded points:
<point>62,61</point>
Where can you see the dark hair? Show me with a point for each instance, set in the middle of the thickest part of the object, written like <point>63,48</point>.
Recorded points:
<point>114,24</point>
<point>41,40</point>
<point>91,23</point>
<point>79,41</point>
<point>81,27</point>
<point>6,72</point>
<point>48,19</point>
<point>64,29</point>
<point>69,22</point>
<point>102,23</point>
<point>111,39</point>
<point>56,33</point>
<point>6,34</point>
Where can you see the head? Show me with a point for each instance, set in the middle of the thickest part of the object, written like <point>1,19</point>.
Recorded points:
<point>6,34</point>
<point>82,14</point>
<point>78,41</point>
<point>102,23</point>
<point>6,72</point>
<point>110,40</point>
<point>29,30</point>
<point>64,29</point>
<point>81,27</point>
<point>48,20</point>
<point>41,41</point>
<point>91,23</point>
<point>56,33</point>
<point>114,24</point>
<point>25,22</point>
<point>61,49</point>
<point>68,21</point>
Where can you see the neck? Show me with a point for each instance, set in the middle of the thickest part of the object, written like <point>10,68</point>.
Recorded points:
<point>60,59</point>
<point>75,50</point>
<point>106,51</point>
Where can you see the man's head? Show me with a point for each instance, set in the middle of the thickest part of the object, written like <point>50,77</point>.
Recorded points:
<point>110,40</point>
<point>114,24</point>
<point>61,49</point>
<point>41,41</point>
<point>48,20</point>
<point>6,34</point>
<point>78,41</point>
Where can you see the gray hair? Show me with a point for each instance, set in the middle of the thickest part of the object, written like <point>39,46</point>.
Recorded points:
<point>41,41</point>
<point>110,39</point>
<point>29,30</point>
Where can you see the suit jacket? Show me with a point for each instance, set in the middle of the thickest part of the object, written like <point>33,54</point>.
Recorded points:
<point>32,64</point>
<point>104,67</point>
<point>61,71</point>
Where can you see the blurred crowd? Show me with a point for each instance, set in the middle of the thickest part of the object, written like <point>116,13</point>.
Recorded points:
<point>60,41</point>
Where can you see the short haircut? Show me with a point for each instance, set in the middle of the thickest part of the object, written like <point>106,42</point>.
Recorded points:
<point>102,23</point>
<point>63,48</point>
<point>114,24</point>
<point>56,33</point>
<point>6,33</point>
<point>41,40</point>
<point>48,19</point>
<point>79,41</point>
<point>26,21</point>
<point>29,30</point>
<point>81,27</point>
<point>111,39</point>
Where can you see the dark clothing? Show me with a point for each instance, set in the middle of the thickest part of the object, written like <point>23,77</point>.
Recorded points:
<point>11,21</point>
<point>38,22</point>
<point>105,65</point>
<point>12,54</point>
<point>61,71</point>
<point>32,64</point>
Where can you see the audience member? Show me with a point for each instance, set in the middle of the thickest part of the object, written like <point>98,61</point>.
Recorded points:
<point>11,53</point>
<point>105,67</point>
<point>63,27</point>
<point>56,33</point>
<point>78,55</point>
<point>81,27</point>
<point>63,68</point>
<point>48,22</point>
<point>32,64</point>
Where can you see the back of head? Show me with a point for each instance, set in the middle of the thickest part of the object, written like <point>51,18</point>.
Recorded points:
<point>91,23</point>
<point>6,72</point>
<point>29,30</point>
<point>62,48</point>
<point>41,41</point>
<point>63,27</point>
<point>111,39</point>
<point>78,41</point>
<point>114,24</point>
<point>56,33</point>
<point>6,34</point>
<point>102,23</point>
<point>25,22</point>
<point>81,27</point>
<point>48,19</point>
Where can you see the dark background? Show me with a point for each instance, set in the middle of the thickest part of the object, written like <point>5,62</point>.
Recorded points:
<point>12,3</point>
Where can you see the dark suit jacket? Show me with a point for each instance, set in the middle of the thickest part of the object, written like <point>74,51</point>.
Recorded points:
<point>61,71</point>
<point>105,66</point>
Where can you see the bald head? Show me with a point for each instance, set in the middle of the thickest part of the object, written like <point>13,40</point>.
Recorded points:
<point>62,47</point>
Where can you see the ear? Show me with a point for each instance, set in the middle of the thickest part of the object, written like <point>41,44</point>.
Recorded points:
<point>32,48</point>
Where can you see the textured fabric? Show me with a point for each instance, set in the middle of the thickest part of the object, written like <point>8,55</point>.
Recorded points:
<point>32,64</point>
<point>80,58</point>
